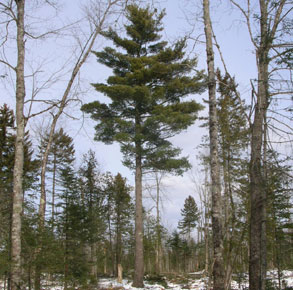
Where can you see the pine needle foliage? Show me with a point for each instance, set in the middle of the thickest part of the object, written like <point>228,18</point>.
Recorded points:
<point>146,90</point>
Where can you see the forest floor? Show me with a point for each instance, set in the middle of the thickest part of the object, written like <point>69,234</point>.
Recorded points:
<point>180,282</point>
<point>196,281</point>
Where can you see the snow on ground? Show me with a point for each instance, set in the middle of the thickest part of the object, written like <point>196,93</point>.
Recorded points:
<point>107,283</point>
<point>198,284</point>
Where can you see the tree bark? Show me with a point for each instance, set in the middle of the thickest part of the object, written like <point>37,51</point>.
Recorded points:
<point>218,269</point>
<point>19,153</point>
<point>139,267</point>
<point>53,189</point>
<point>158,230</point>
<point>257,202</point>
<point>118,246</point>
<point>139,261</point>
<point>93,267</point>
<point>119,275</point>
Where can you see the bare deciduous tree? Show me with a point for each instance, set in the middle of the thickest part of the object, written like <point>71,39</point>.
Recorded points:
<point>271,43</point>
<point>217,224</point>
<point>19,153</point>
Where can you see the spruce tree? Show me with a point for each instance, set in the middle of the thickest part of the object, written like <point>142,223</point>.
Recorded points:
<point>73,231</point>
<point>146,90</point>
<point>233,136</point>
<point>61,157</point>
<point>7,139</point>
<point>92,202</point>
<point>175,243</point>
<point>190,216</point>
<point>61,154</point>
<point>118,195</point>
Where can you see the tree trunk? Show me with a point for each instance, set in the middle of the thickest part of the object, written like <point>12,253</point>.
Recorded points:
<point>53,189</point>
<point>257,201</point>
<point>105,261</point>
<point>19,154</point>
<point>119,276</point>
<point>119,245</point>
<point>158,230</point>
<point>139,262</point>
<point>93,263</point>
<point>113,268</point>
<point>218,269</point>
<point>264,209</point>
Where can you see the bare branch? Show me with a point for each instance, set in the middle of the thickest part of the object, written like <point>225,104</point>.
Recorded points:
<point>55,31</point>
<point>41,112</point>
<point>277,19</point>
<point>8,64</point>
<point>246,14</point>
<point>228,74</point>
<point>281,93</point>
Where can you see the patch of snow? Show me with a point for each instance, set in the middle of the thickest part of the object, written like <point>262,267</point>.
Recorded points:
<point>198,284</point>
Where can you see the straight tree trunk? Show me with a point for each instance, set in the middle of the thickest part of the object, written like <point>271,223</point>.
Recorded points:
<point>93,268</point>
<point>256,188</point>
<point>257,201</point>
<point>105,260</point>
<point>218,268</point>
<point>53,189</point>
<point>113,268</point>
<point>19,154</point>
<point>139,261</point>
<point>119,273</point>
<point>264,208</point>
<point>118,249</point>
<point>158,230</point>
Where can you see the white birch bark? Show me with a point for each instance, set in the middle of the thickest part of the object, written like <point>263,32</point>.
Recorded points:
<point>19,153</point>
<point>217,224</point>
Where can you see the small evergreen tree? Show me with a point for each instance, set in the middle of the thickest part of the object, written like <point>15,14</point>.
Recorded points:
<point>118,193</point>
<point>190,216</point>
<point>92,202</point>
<point>71,225</point>
<point>233,135</point>
<point>61,154</point>
<point>175,243</point>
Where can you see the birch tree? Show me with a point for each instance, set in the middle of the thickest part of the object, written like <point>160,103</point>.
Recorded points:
<point>217,223</point>
<point>14,12</point>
